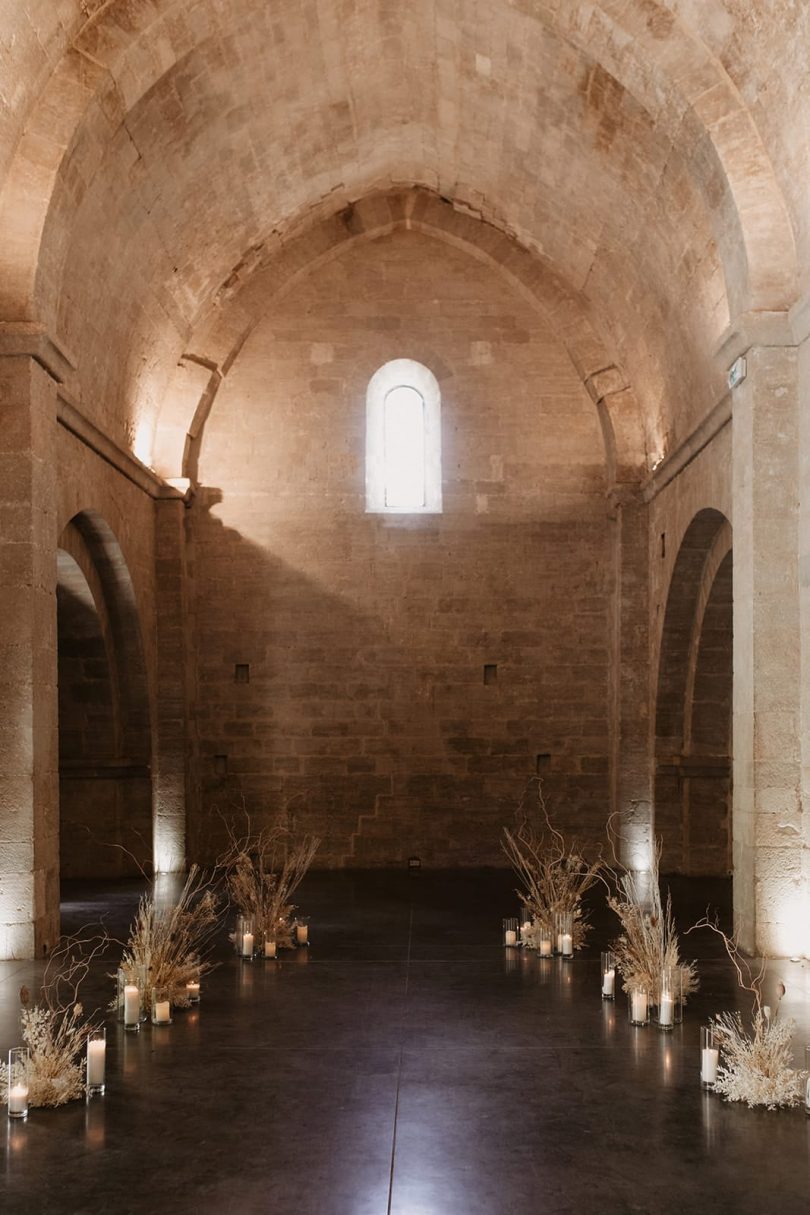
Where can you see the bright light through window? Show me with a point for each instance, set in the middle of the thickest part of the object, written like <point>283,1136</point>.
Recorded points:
<point>403,440</point>
<point>404,430</point>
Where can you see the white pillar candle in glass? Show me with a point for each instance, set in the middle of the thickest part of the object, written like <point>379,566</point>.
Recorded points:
<point>710,1057</point>
<point>302,934</point>
<point>96,1061</point>
<point>269,949</point>
<point>17,1093</point>
<point>162,1012</point>
<point>609,983</point>
<point>665,1010</point>
<point>546,947</point>
<point>638,1007</point>
<point>132,1006</point>
<point>247,944</point>
<point>193,991</point>
<point>567,947</point>
<point>510,937</point>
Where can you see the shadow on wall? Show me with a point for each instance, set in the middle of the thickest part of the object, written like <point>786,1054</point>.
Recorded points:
<point>105,787</point>
<point>395,689</point>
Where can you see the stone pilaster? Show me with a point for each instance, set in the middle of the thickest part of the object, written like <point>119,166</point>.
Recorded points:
<point>29,789</point>
<point>170,776</point>
<point>767,730</point>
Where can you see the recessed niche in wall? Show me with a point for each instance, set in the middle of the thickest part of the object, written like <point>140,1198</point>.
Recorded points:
<point>241,672</point>
<point>542,763</point>
<point>221,765</point>
<point>490,672</point>
<point>663,544</point>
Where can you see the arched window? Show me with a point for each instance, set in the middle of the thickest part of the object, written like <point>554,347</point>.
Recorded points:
<point>403,440</point>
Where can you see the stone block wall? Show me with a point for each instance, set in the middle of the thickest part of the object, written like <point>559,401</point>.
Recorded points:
<point>340,655</point>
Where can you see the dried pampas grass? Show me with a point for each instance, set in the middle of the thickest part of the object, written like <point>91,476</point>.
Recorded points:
<point>263,869</point>
<point>755,1065</point>
<point>168,944</point>
<point>553,875</point>
<point>648,943</point>
<point>55,1030</point>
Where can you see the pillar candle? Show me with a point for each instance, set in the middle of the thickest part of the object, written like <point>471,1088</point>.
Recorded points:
<point>132,1004</point>
<point>510,937</point>
<point>665,1009</point>
<point>269,949</point>
<point>162,1012</point>
<point>639,1005</point>
<point>193,990</point>
<point>247,945</point>
<point>567,944</point>
<point>609,983</point>
<point>710,1057</point>
<point>96,1058</point>
<point>545,947</point>
<point>302,933</point>
<point>18,1099</point>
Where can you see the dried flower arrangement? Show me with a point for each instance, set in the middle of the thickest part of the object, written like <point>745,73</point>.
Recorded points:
<point>168,944</point>
<point>648,943</point>
<point>554,876</point>
<point>55,1030</point>
<point>263,869</point>
<point>755,1066</point>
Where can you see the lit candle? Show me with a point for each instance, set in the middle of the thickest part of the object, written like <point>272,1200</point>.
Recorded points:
<point>567,947</point>
<point>559,942</point>
<point>545,947</point>
<point>162,1012</point>
<point>18,1099</point>
<point>609,983</point>
<point>247,945</point>
<point>302,934</point>
<point>709,1058</point>
<point>193,991</point>
<point>132,1004</point>
<point>665,1010</point>
<point>639,1006</point>
<point>96,1058</point>
<point>510,937</point>
<point>269,949</point>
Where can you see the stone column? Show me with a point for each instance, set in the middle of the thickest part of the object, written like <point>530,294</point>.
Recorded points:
<point>631,763</point>
<point>172,699</point>
<point>29,786</point>
<point>767,729</point>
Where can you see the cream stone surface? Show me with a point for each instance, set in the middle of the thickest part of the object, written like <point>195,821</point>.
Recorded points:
<point>218,219</point>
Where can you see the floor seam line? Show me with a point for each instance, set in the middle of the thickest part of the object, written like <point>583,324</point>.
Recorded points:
<point>399,1068</point>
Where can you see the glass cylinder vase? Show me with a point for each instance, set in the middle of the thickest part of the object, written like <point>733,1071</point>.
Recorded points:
<point>17,1095</point>
<point>669,1010</point>
<point>638,1002</point>
<point>245,937</point>
<point>301,935</point>
<point>96,1062</point>
<point>709,1055</point>
<point>608,976</point>
<point>510,931</point>
<point>565,934</point>
<point>270,947</point>
<point>132,997</point>
<point>161,1006</point>
<point>544,935</point>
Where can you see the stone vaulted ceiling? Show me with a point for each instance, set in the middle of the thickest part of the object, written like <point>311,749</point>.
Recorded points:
<point>155,155</point>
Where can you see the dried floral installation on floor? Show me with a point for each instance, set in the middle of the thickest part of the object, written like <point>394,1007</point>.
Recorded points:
<point>648,944</point>
<point>55,1029</point>
<point>554,876</point>
<point>263,869</point>
<point>168,944</point>
<point>756,1064</point>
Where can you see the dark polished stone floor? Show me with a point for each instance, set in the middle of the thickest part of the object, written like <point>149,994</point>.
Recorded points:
<point>406,1064</point>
